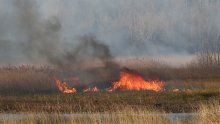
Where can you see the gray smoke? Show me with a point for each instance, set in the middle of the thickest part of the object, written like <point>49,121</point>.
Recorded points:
<point>88,51</point>
<point>47,31</point>
<point>89,48</point>
<point>42,40</point>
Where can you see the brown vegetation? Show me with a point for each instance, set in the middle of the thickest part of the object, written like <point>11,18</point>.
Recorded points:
<point>183,101</point>
<point>28,79</point>
<point>207,113</point>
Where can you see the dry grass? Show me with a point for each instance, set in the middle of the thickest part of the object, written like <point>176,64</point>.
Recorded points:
<point>124,107</point>
<point>198,84</point>
<point>25,79</point>
<point>104,101</point>
<point>209,113</point>
<point>126,116</point>
<point>28,79</point>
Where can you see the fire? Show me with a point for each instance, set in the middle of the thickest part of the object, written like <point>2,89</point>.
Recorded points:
<point>64,88</point>
<point>130,80</point>
<point>94,89</point>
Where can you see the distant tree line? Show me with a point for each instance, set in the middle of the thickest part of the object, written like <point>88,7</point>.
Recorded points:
<point>209,52</point>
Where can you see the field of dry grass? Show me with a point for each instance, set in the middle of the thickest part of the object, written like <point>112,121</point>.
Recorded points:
<point>32,90</point>
<point>31,86</point>
<point>39,80</point>
<point>125,116</point>
<point>25,79</point>
<point>207,113</point>
<point>185,101</point>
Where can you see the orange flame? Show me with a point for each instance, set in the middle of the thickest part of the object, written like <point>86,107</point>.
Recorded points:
<point>94,89</point>
<point>130,80</point>
<point>64,88</point>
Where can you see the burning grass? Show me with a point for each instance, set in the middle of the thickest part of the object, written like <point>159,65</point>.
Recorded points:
<point>63,87</point>
<point>131,80</point>
<point>33,89</point>
<point>25,79</point>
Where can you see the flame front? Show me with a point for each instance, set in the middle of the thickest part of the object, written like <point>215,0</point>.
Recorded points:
<point>130,80</point>
<point>94,89</point>
<point>64,88</point>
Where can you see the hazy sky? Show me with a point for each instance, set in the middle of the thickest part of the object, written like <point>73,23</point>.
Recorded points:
<point>129,28</point>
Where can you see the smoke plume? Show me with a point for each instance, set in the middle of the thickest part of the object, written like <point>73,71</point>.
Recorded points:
<point>41,40</point>
<point>47,32</point>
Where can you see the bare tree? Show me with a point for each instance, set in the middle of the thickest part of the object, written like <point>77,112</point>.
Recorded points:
<point>209,53</point>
